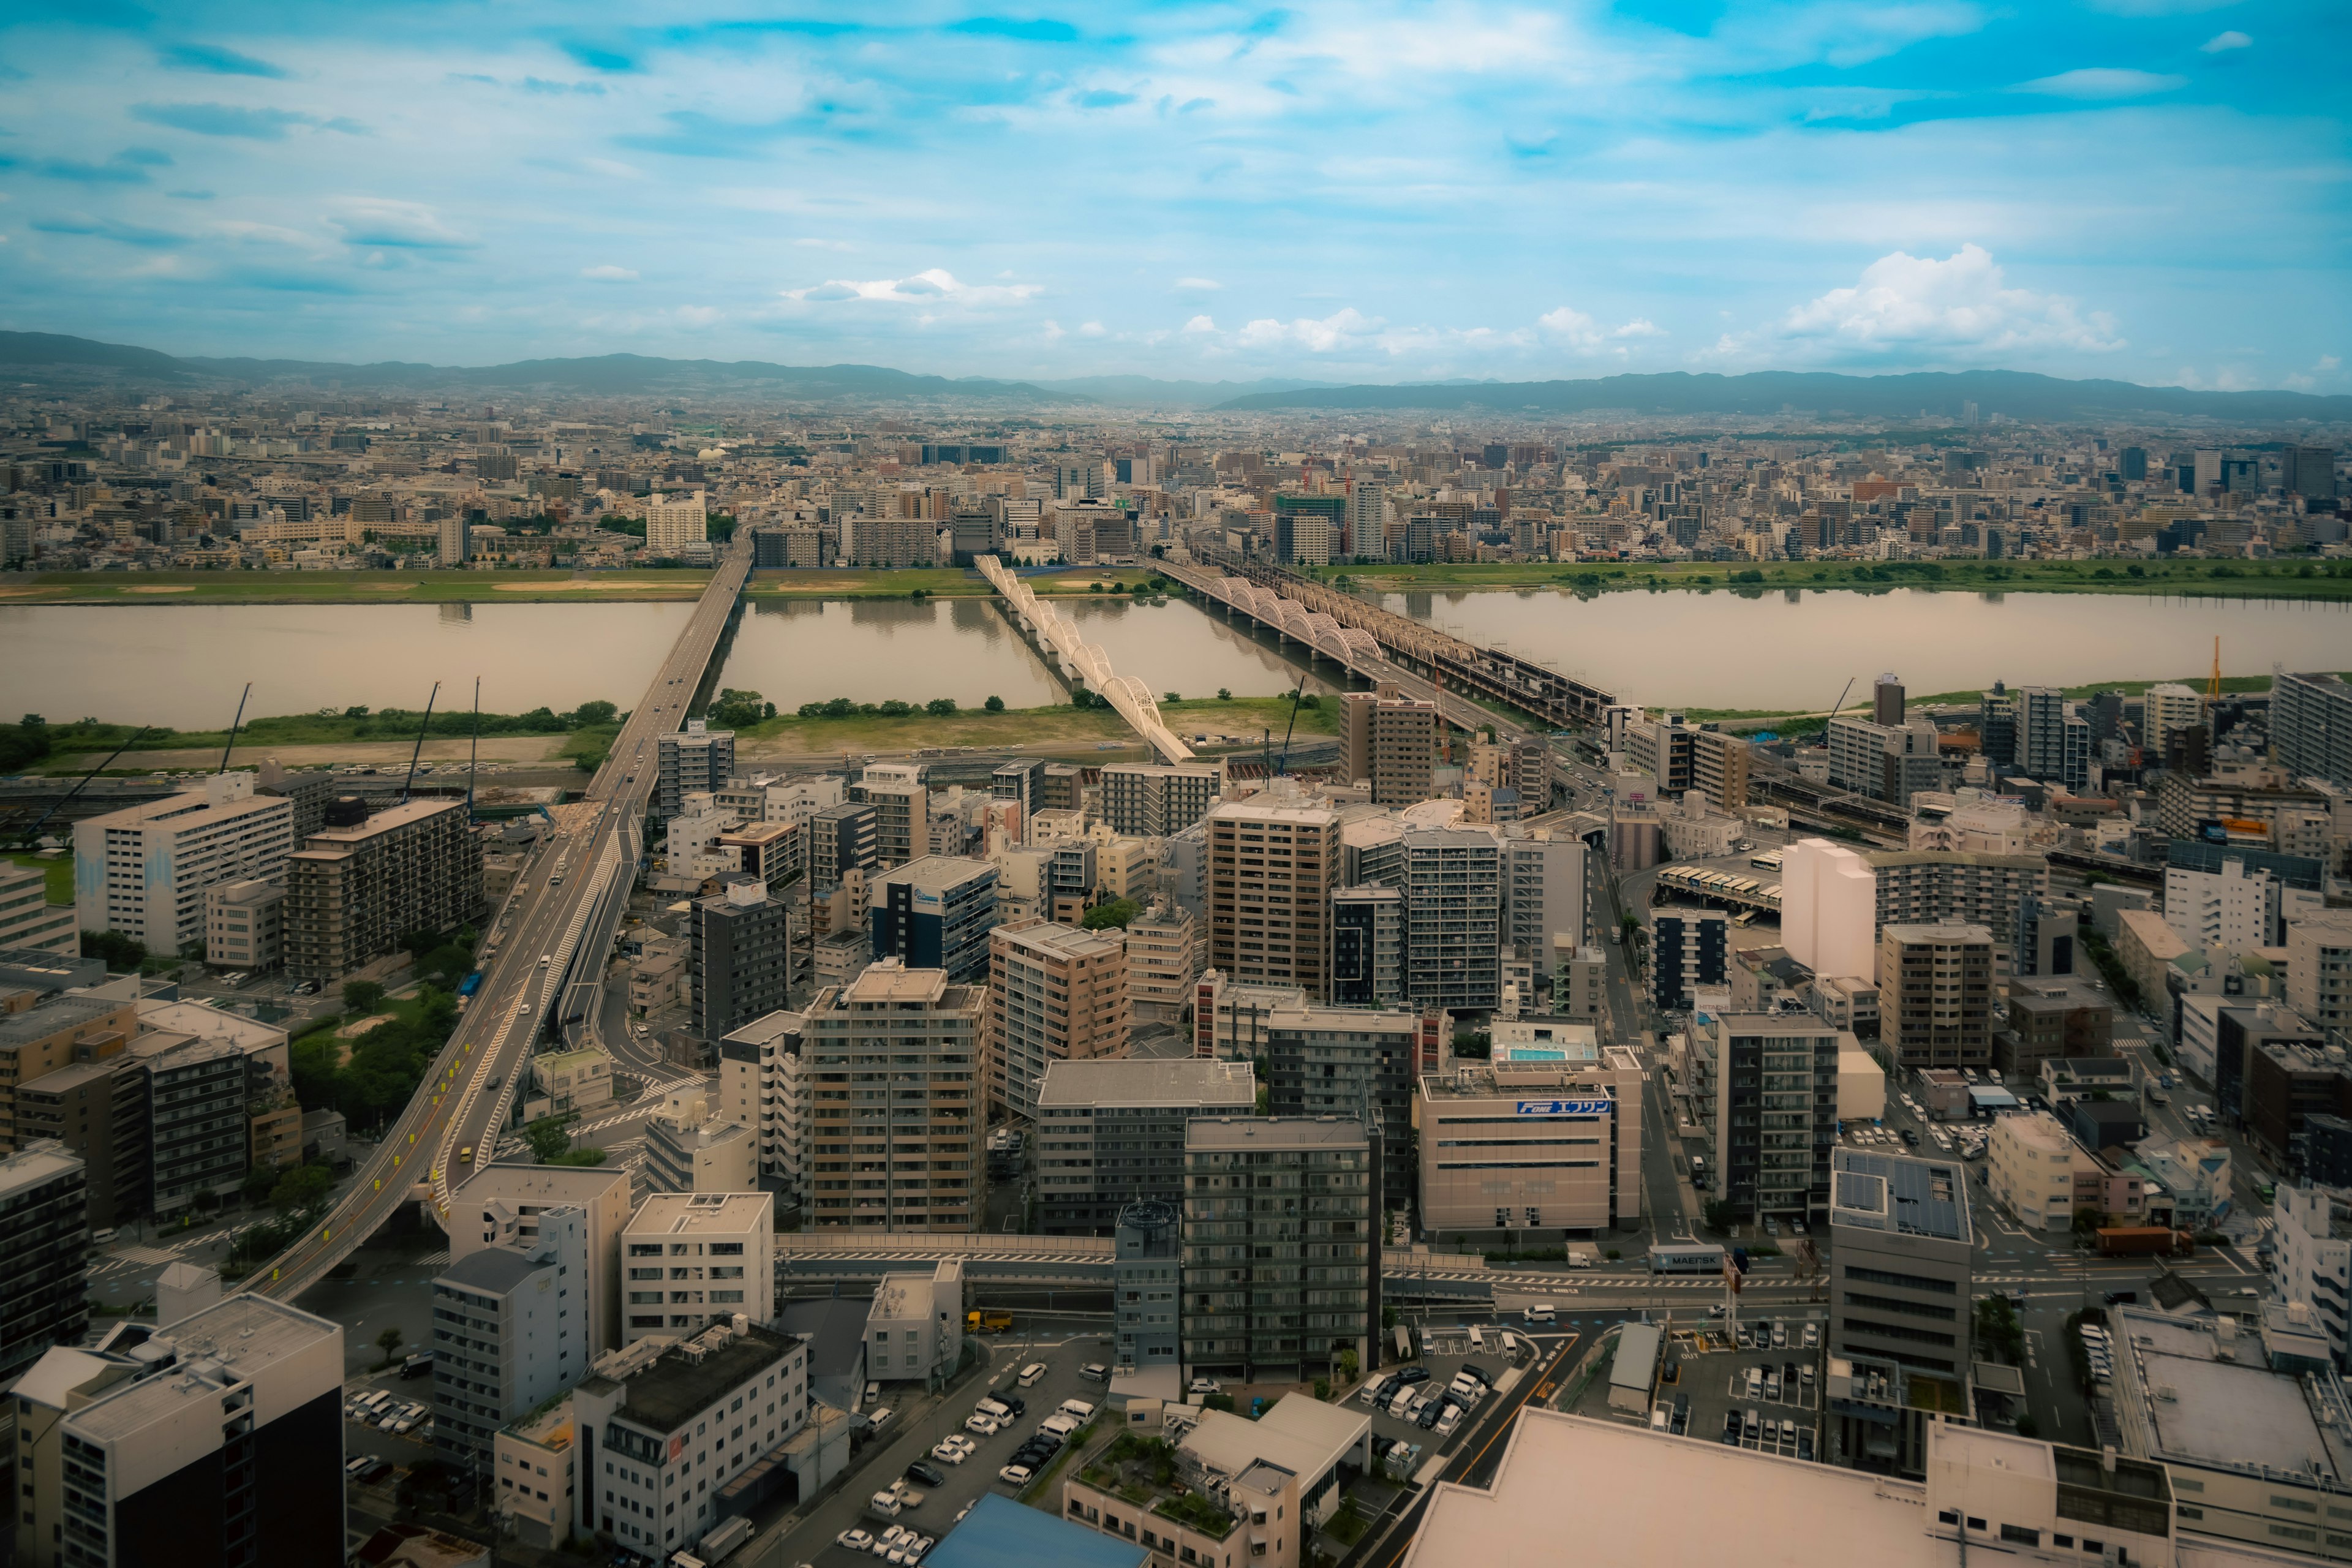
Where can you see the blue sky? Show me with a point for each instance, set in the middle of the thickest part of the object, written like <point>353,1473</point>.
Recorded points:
<point>2154,190</point>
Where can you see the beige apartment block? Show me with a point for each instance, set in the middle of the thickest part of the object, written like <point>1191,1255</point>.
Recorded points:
<point>893,1060</point>
<point>1272,866</point>
<point>1056,993</point>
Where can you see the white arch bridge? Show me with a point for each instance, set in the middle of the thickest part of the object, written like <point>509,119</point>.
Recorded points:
<point>1128,697</point>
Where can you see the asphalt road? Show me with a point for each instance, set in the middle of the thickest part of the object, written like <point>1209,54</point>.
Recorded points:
<point>464,1099</point>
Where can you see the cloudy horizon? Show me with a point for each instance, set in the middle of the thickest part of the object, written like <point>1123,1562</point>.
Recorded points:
<point>2147,190</point>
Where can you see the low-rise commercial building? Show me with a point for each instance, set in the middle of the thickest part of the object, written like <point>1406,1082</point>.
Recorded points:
<point>664,1427</point>
<point>914,1327</point>
<point>1537,1140</point>
<point>2030,1170</point>
<point>2254,1456</point>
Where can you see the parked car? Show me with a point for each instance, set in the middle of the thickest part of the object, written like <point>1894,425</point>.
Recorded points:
<point>1447,1422</point>
<point>1412,1375</point>
<point>1032,1372</point>
<point>1205,1386</point>
<point>982,1425</point>
<point>929,1474</point>
<point>1017,1475</point>
<point>855,1540</point>
<point>1812,1336</point>
<point>1094,1372</point>
<point>1472,1369</point>
<point>948,1451</point>
<point>880,1418</point>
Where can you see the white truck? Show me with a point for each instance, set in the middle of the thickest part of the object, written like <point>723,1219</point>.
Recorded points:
<point>715,1547</point>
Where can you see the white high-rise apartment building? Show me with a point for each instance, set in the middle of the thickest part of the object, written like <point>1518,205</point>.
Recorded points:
<point>763,1085</point>
<point>143,871</point>
<point>902,811</point>
<point>1829,909</point>
<point>2164,709</point>
<point>27,919</point>
<point>673,524</point>
<point>692,1259</point>
<point>2319,970</point>
<point>2232,909</point>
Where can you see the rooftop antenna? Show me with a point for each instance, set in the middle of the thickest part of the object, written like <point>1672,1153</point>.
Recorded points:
<point>235,725</point>
<point>419,750</point>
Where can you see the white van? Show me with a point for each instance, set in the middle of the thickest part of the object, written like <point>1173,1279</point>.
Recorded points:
<point>993,1410</point>
<point>1077,1409</point>
<point>1033,1374</point>
<point>1541,1312</point>
<point>1060,1424</point>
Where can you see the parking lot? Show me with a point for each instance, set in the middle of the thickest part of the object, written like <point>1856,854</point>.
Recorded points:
<point>814,1537</point>
<point>1418,1420</point>
<point>1761,1396</point>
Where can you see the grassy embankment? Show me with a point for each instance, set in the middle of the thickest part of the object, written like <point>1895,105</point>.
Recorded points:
<point>586,733</point>
<point>2297,579</point>
<point>1793,722</point>
<point>1243,720</point>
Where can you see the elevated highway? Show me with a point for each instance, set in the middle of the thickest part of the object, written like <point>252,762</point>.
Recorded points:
<point>543,962</point>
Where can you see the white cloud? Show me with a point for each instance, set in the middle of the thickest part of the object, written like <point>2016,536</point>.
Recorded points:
<point>825,243</point>
<point>2222,43</point>
<point>379,220</point>
<point>1198,284</point>
<point>930,287</point>
<point>1570,328</point>
<point>2099,82</point>
<point>1201,324</point>
<point>699,316</point>
<point>1091,330</point>
<point>1918,309</point>
<point>1345,328</point>
<point>1052,329</point>
<point>610,273</point>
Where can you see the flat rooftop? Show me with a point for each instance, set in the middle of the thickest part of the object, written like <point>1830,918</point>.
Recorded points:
<point>1639,1484</point>
<point>1900,1194</point>
<point>227,1344</point>
<point>1307,1441</point>
<point>2227,1414</point>
<point>684,1214</point>
<point>676,1386</point>
<point>1273,1132</point>
<point>1147,1083</point>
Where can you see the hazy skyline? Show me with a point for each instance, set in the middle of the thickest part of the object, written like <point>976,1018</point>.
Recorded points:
<point>2151,190</point>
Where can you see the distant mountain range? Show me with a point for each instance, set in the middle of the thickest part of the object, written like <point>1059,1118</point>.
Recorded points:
<point>1935,394</point>
<point>609,374</point>
<point>2022,395</point>
<point>1149,389</point>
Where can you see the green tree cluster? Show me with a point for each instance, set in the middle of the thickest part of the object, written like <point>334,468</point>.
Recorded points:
<point>741,709</point>
<point>385,1065</point>
<point>1114,914</point>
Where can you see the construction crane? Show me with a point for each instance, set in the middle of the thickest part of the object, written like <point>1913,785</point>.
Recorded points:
<point>2213,686</point>
<point>1292,727</point>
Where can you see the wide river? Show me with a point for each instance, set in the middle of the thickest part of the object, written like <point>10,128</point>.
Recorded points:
<point>182,665</point>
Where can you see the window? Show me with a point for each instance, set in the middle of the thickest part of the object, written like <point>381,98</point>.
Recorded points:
<point>2021,1535</point>
<point>2188,1512</point>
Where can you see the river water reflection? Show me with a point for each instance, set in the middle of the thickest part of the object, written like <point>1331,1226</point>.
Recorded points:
<point>1793,649</point>
<point>869,651</point>
<point>182,665</point>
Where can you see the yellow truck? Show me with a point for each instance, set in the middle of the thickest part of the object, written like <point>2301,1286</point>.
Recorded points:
<point>987,1323</point>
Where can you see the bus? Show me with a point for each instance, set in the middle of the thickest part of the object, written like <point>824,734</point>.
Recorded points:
<point>1768,861</point>
<point>1686,1257</point>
